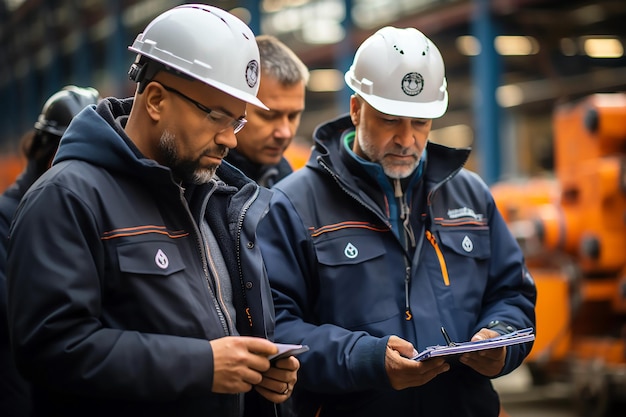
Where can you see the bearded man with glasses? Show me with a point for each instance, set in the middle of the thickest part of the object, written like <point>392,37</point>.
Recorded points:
<point>135,284</point>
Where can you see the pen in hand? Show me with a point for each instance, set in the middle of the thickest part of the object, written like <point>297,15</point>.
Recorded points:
<point>446,337</point>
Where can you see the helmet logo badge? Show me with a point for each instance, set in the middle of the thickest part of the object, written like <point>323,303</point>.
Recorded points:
<point>412,84</point>
<point>252,73</point>
<point>161,260</point>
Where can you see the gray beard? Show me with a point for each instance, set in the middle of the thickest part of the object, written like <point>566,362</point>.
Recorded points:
<point>185,170</point>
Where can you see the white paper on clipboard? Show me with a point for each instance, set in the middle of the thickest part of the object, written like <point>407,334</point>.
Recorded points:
<point>519,336</point>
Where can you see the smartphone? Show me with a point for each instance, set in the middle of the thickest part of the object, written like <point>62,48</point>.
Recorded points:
<point>286,350</point>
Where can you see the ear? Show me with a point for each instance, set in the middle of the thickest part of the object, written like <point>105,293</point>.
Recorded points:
<point>355,109</point>
<point>153,101</point>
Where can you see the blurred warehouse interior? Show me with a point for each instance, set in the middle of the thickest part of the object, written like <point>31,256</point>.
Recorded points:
<point>508,62</point>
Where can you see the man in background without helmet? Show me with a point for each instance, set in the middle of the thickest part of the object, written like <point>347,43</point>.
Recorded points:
<point>382,240</point>
<point>268,133</point>
<point>145,294</point>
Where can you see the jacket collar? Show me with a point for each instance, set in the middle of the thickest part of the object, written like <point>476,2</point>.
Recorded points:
<point>265,175</point>
<point>442,161</point>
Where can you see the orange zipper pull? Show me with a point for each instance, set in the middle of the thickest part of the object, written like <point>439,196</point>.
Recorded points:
<point>442,262</point>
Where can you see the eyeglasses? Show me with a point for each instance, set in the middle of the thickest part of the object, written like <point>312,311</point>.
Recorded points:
<point>223,121</point>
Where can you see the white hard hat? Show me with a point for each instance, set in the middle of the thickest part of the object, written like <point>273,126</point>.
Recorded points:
<point>400,72</point>
<point>206,43</point>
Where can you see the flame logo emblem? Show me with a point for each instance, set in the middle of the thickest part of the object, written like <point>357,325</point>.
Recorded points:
<point>351,251</point>
<point>160,259</point>
<point>467,244</point>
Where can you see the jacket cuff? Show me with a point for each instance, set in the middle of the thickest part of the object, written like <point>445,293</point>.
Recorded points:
<point>367,362</point>
<point>501,327</point>
<point>515,354</point>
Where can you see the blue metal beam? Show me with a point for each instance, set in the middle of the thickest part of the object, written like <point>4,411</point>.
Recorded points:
<point>117,58</point>
<point>254,7</point>
<point>81,57</point>
<point>486,71</point>
<point>52,72</point>
<point>344,55</point>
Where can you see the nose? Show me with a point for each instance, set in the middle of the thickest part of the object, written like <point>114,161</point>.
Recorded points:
<point>227,138</point>
<point>283,129</point>
<point>405,134</point>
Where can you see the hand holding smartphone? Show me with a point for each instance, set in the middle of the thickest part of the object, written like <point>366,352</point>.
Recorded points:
<point>286,350</point>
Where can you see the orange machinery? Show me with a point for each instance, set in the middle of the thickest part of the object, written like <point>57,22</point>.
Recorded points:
<point>10,167</point>
<point>298,154</point>
<point>572,228</point>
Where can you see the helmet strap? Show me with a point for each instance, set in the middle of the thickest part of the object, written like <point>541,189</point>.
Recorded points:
<point>144,70</point>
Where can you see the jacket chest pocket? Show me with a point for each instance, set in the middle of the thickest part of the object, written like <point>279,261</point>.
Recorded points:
<point>463,262</point>
<point>153,290</point>
<point>355,264</point>
<point>159,259</point>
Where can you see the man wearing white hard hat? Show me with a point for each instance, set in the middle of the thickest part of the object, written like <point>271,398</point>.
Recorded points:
<point>135,284</point>
<point>382,241</point>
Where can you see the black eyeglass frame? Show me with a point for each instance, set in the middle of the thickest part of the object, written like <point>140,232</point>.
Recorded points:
<point>237,124</point>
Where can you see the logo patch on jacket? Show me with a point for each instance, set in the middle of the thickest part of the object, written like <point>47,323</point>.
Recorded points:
<point>160,259</point>
<point>464,212</point>
<point>467,244</point>
<point>351,251</point>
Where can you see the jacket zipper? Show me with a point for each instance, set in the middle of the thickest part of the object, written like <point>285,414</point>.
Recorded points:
<point>442,262</point>
<point>242,216</point>
<point>407,280</point>
<point>203,255</point>
<point>223,310</point>
<point>205,268</point>
<point>409,236</point>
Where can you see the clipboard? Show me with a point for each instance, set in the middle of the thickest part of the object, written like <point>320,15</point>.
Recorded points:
<point>516,337</point>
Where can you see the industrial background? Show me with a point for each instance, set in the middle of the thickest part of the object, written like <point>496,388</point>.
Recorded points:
<point>537,87</point>
<point>508,61</point>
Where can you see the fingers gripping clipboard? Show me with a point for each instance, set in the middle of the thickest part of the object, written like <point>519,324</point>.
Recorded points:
<point>519,336</point>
